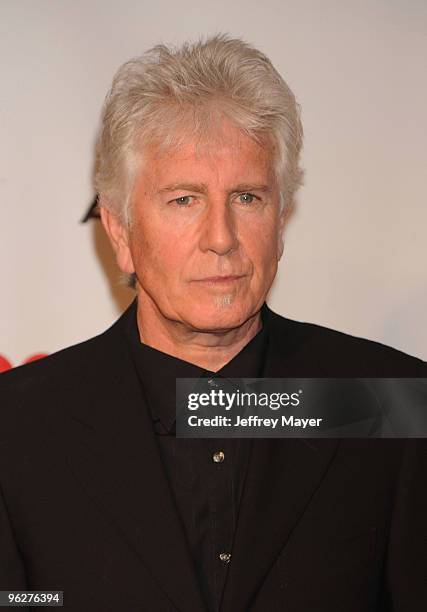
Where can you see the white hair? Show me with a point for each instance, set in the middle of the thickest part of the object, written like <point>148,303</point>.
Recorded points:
<point>171,93</point>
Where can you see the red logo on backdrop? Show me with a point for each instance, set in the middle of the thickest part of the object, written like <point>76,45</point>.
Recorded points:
<point>5,364</point>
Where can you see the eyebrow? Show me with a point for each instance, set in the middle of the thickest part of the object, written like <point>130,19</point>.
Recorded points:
<point>203,188</point>
<point>198,187</point>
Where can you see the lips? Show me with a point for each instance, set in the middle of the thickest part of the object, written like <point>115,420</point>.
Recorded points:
<point>221,279</point>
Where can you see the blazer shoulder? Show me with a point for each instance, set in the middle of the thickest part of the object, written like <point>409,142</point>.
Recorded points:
<point>342,353</point>
<point>44,386</point>
<point>63,362</point>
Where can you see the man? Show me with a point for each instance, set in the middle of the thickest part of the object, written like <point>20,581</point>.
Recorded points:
<point>197,169</point>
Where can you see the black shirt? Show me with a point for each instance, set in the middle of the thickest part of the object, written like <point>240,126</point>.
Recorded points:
<point>206,475</point>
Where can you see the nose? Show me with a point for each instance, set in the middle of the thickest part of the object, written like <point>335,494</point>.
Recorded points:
<point>219,232</point>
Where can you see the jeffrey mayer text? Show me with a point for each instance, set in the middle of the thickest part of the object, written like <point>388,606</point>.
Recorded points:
<point>252,421</point>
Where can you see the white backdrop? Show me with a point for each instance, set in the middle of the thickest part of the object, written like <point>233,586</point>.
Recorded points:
<point>355,252</point>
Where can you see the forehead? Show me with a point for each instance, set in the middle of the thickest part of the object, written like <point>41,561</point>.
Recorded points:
<point>221,155</point>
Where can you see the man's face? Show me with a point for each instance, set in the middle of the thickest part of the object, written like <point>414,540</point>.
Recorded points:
<point>204,235</point>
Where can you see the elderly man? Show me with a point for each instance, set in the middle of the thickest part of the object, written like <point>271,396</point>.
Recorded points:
<point>197,169</point>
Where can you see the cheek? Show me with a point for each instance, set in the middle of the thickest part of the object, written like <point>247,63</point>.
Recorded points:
<point>156,254</point>
<point>261,250</point>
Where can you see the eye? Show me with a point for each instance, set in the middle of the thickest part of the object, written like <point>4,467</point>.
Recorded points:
<point>246,198</point>
<point>183,200</point>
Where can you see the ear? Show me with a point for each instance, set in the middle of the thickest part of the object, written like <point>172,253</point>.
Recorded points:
<point>280,234</point>
<point>119,238</point>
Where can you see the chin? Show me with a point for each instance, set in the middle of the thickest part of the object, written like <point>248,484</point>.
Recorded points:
<point>224,313</point>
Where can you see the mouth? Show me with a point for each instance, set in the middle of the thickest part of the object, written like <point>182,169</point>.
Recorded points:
<point>221,280</point>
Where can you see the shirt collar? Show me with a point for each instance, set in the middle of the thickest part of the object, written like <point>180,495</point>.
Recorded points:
<point>157,371</point>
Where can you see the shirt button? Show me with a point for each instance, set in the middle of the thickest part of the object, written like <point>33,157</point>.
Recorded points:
<point>218,457</point>
<point>212,383</point>
<point>225,557</point>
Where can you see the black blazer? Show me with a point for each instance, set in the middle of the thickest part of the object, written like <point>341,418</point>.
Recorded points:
<point>324,525</point>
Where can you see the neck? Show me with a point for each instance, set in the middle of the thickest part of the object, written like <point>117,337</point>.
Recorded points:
<point>209,350</point>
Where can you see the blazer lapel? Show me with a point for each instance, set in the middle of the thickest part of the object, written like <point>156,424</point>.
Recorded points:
<point>282,476</point>
<point>114,455</point>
